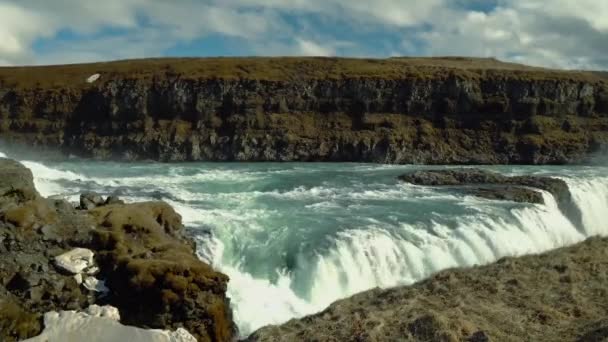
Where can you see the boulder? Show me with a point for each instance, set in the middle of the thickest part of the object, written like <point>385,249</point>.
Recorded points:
<point>16,183</point>
<point>113,200</point>
<point>90,200</point>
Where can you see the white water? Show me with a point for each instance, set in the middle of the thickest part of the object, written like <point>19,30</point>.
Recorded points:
<point>293,239</point>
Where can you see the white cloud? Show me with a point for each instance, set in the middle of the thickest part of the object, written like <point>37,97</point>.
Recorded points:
<point>556,33</point>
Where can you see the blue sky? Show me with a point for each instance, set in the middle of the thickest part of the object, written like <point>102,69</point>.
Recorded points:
<point>553,33</point>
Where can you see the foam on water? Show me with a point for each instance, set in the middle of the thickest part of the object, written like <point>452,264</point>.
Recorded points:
<point>326,240</point>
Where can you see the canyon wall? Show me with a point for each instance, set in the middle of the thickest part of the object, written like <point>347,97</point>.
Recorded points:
<point>435,111</point>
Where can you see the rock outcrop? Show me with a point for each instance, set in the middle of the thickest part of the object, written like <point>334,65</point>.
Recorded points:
<point>492,185</point>
<point>400,110</point>
<point>557,296</point>
<point>149,266</point>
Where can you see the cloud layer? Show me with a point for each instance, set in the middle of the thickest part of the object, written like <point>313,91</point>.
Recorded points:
<point>555,33</point>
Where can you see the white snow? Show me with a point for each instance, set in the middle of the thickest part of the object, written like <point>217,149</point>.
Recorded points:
<point>100,324</point>
<point>75,261</point>
<point>94,284</point>
<point>93,78</point>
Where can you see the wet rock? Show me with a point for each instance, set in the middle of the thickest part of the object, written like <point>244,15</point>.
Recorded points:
<point>113,200</point>
<point>491,185</point>
<point>508,193</point>
<point>90,200</point>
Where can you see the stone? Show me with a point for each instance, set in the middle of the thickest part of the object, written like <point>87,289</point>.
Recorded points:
<point>78,278</point>
<point>50,232</point>
<point>90,200</point>
<point>75,261</point>
<point>113,200</point>
<point>491,185</point>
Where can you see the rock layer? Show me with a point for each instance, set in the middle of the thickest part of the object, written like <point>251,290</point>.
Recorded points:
<point>451,110</point>
<point>148,264</point>
<point>557,296</point>
<point>492,185</point>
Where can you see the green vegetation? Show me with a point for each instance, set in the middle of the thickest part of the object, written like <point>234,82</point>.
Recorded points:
<point>279,69</point>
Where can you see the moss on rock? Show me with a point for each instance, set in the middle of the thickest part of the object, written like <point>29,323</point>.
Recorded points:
<point>154,276</point>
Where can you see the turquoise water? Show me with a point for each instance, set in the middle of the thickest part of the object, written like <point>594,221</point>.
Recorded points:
<point>294,237</point>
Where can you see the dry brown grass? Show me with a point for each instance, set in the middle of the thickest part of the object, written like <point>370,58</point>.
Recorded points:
<point>278,69</point>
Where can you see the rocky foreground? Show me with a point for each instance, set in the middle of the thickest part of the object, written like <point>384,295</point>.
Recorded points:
<point>398,110</point>
<point>558,296</point>
<point>134,257</point>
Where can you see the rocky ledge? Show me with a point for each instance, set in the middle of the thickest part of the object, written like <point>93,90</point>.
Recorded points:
<point>492,185</point>
<point>398,110</point>
<point>557,296</point>
<point>495,186</point>
<point>134,257</point>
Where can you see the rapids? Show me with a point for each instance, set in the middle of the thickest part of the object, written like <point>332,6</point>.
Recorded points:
<point>295,237</point>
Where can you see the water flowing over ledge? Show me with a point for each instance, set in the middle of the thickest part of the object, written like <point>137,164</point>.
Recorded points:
<point>295,237</point>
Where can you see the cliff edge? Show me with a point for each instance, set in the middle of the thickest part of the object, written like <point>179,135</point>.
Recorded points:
<point>397,110</point>
<point>134,257</point>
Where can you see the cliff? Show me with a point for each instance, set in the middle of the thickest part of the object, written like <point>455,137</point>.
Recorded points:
<point>399,110</point>
<point>139,251</point>
<point>557,296</point>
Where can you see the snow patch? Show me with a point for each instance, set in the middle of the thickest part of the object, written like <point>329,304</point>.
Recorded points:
<point>94,284</point>
<point>100,324</point>
<point>93,78</point>
<point>75,261</point>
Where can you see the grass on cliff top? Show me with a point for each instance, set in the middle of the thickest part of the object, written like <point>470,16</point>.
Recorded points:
<point>278,68</point>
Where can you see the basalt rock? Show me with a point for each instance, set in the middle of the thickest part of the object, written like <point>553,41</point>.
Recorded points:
<point>400,110</point>
<point>507,193</point>
<point>492,185</point>
<point>143,254</point>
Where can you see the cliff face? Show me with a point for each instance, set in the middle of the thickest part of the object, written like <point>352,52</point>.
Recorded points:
<point>393,111</point>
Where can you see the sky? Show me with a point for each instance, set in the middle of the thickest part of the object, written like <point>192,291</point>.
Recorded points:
<point>571,34</point>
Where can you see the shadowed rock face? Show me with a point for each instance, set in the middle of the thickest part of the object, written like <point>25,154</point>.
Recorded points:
<point>393,111</point>
<point>149,265</point>
<point>557,296</point>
